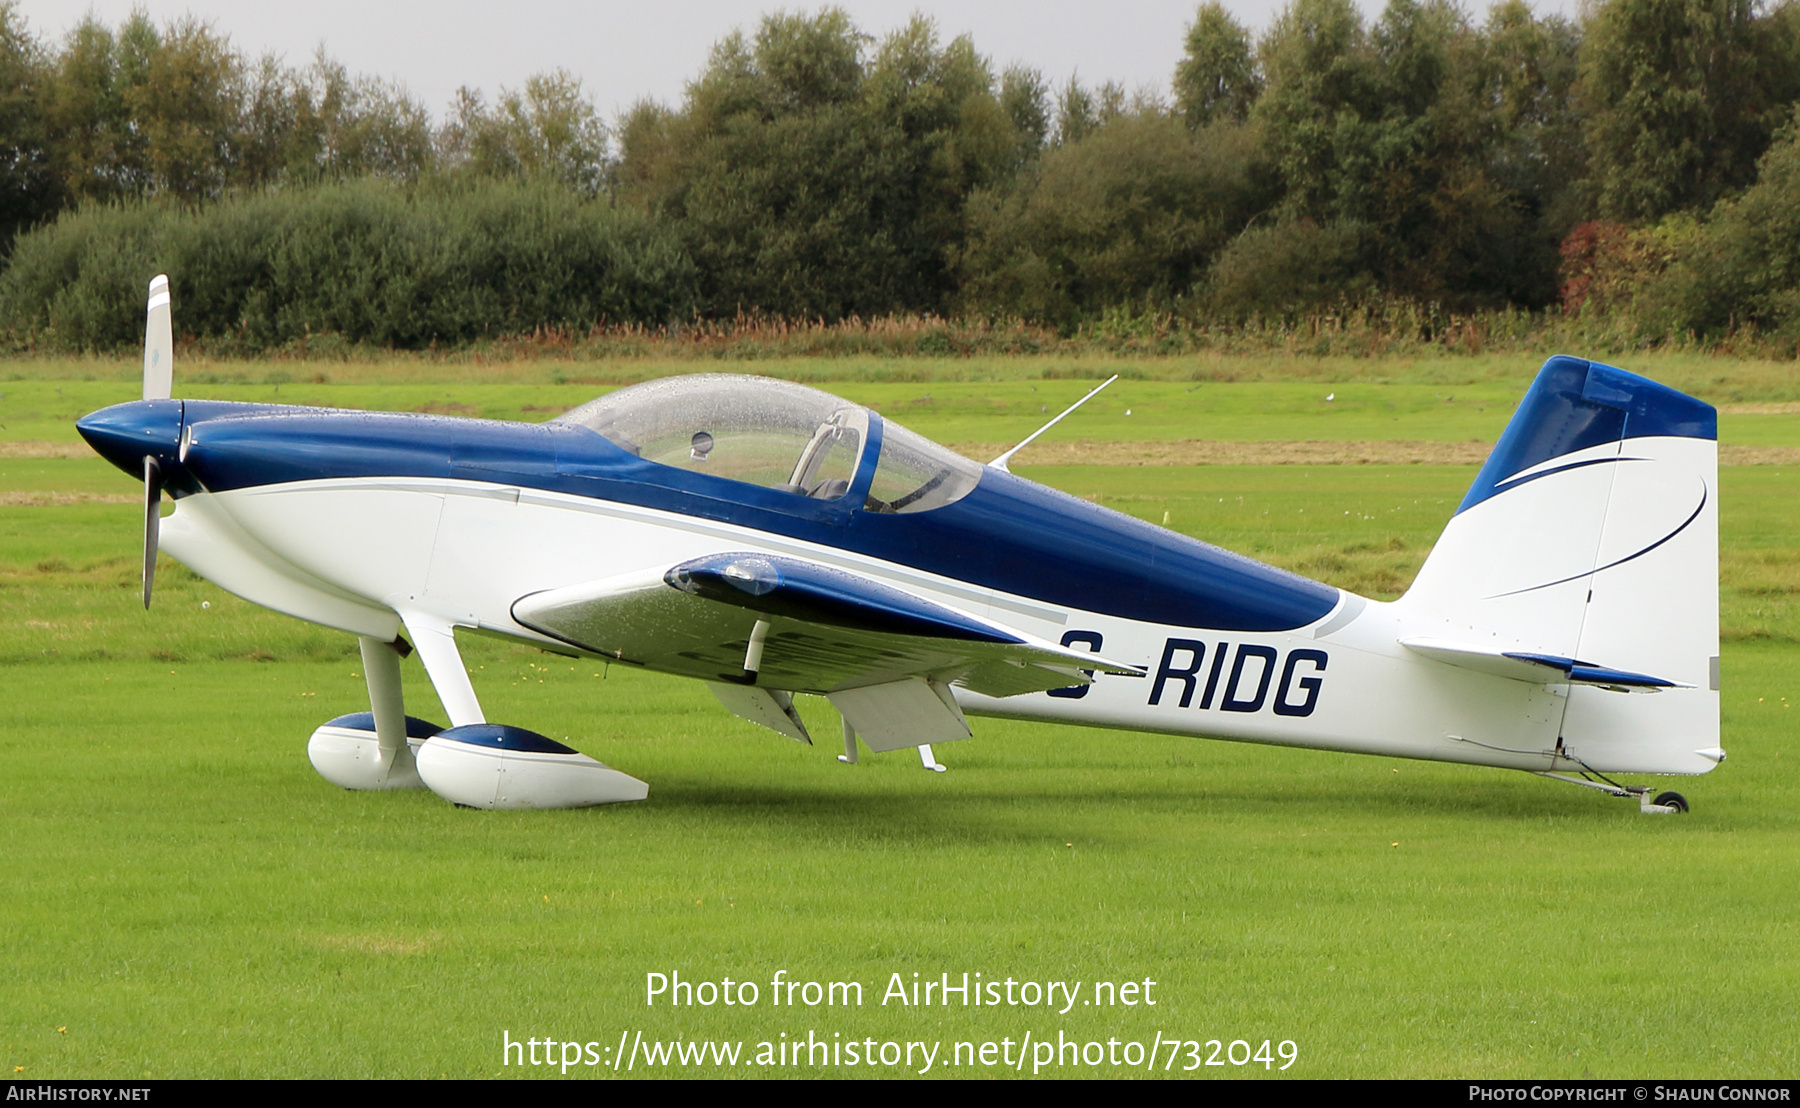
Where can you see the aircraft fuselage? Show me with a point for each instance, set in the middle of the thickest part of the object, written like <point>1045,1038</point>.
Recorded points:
<point>354,520</point>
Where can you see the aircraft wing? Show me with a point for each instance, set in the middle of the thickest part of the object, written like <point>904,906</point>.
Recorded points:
<point>827,631</point>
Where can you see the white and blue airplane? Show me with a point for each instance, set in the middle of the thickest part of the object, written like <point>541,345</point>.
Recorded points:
<point>773,540</point>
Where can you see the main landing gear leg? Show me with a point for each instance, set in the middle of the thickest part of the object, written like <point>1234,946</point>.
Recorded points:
<point>476,764</point>
<point>1665,803</point>
<point>381,670</point>
<point>435,640</point>
<point>371,751</point>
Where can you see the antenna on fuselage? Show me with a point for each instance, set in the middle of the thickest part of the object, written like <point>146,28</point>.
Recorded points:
<point>1000,462</point>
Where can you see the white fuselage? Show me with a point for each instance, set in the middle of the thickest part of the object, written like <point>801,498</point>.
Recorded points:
<point>364,554</point>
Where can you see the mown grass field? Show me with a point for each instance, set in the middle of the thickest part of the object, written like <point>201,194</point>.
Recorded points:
<point>185,897</point>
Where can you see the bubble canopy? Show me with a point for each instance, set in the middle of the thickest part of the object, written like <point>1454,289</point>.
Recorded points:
<point>777,435</point>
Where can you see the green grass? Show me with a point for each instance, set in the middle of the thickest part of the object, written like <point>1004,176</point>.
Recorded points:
<point>954,412</point>
<point>190,899</point>
<point>92,476</point>
<point>1719,379</point>
<point>186,897</point>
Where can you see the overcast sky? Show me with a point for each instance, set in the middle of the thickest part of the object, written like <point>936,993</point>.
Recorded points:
<point>625,51</point>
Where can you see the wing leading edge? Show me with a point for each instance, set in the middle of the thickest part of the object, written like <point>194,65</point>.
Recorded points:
<point>759,628</point>
<point>802,626</point>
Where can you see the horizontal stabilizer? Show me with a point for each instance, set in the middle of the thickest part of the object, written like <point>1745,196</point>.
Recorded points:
<point>1586,673</point>
<point>1536,669</point>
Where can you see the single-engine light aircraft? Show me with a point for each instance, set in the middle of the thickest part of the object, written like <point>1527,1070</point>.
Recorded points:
<point>771,540</point>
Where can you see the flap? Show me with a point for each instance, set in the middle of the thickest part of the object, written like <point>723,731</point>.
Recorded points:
<point>828,629</point>
<point>912,712</point>
<point>769,708</point>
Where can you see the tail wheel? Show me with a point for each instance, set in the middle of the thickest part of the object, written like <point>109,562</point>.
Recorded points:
<point>1672,800</point>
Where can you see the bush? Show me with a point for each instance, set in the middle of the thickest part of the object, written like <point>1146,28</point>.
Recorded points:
<point>1285,269</point>
<point>1129,214</point>
<point>1741,269</point>
<point>368,261</point>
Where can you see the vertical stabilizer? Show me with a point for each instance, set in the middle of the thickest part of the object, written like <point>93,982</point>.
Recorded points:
<point>1592,533</point>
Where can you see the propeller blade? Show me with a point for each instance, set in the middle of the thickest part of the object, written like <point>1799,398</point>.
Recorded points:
<point>152,521</point>
<point>159,343</point>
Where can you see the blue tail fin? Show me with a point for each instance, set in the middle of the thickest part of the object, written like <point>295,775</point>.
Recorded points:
<point>1591,533</point>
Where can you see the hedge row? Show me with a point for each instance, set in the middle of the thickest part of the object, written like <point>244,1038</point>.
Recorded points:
<point>368,261</point>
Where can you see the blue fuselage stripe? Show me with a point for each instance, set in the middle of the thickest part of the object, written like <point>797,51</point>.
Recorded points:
<point>1008,534</point>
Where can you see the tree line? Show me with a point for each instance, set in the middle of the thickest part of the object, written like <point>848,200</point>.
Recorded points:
<point>1642,163</point>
